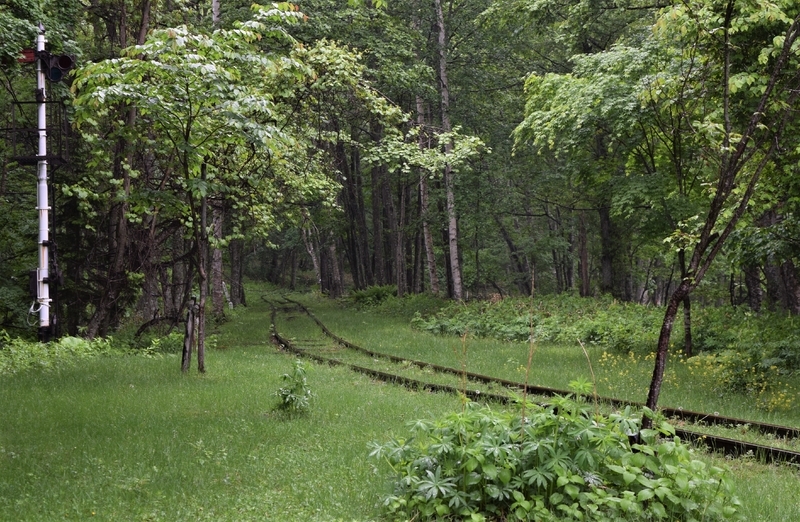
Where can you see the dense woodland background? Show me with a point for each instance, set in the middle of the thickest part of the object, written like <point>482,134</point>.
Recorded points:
<point>461,148</point>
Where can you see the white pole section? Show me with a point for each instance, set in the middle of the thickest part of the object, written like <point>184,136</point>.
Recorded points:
<point>42,199</point>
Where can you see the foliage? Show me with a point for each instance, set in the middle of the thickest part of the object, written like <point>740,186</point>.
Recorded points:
<point>748,354</point>
<point>410,305</point>
<point>625,373</point>
<point>384,299</point>
<point>17,355</point>
<point>295,395</point>
<point>619,327</point>
<point>373,295</point>
<point>19,20</point>
<point>748,372</point>
<point>204,101</point>
<point>564,319</point>
<point>723,328</point>
<point>158,342</point>
<point>563,462</point>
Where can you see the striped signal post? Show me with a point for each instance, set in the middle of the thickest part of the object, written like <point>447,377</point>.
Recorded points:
<point>42,199</point>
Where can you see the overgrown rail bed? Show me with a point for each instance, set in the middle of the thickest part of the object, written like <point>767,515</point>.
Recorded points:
<point>487,388</point>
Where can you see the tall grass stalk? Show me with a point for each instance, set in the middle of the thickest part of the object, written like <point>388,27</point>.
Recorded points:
<point>531,348</point>
<point>463,358</point>
<point>594,379</point>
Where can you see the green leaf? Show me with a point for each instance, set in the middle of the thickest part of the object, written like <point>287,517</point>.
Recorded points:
<point>658,509</point>
<point>628,477</point>
<point>645,494</point>
<point>572,490</point>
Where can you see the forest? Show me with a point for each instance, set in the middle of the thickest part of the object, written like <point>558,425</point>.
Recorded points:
<point>467,149</point>
<point>644,151</point>
<point>526,203</point>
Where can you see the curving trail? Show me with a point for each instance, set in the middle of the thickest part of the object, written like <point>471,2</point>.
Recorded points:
<point>726,445</point>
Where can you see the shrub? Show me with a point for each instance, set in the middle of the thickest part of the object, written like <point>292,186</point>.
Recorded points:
<point>563,319</point>
<point>18,355</point>
<point>747,372</point>
<point>372,295</point>
<point>410,305</point>
<point>172,343</point>
<point>295,395</point>
<point>563,462</point>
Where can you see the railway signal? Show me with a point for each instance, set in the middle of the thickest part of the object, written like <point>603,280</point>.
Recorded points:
<point>56,66</point>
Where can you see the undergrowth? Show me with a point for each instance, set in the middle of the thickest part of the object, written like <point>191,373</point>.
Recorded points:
<point>562,319</point>
<point>748,372</point>
<point>561,462</point>
<point>18,355</point>
<point>384,299</point>
<point>765,341</point>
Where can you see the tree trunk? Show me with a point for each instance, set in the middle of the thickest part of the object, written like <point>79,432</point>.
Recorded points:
<point>312,249</point>
<point>215,18</point>
<point>583,256</point>
<point>452,221</point>
<point>687,326</point>
<point>662,350</point>
<point>379,264</point>
<point>118,252</point>
<point>518,261</point>
<point>792,284</point>
<point>607,253</point>
<point>752,282</point>
<point>236,251</point>
<point>188,337</point>
<point>687,308</point>
<point>399,249</point>
<point>119,237</point>
<point>217,281</point>
<point>427,237</point>
<point>357,238</point>
<point>333,285</point>
<point>202,273</point>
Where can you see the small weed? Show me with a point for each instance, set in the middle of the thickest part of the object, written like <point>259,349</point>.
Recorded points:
<point>295,395</point>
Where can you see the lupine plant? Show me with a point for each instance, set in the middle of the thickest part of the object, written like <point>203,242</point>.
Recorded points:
<point>562,461</point>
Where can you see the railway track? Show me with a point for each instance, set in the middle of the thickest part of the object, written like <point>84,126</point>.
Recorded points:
<point>729,446</point>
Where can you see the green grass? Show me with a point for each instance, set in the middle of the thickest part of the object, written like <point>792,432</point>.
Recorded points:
<point>623,376</point>
<point>130,438</point>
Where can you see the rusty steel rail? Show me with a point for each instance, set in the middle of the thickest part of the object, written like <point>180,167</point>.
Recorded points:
<point>713,442</point>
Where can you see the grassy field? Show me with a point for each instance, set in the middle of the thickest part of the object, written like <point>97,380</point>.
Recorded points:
<point>624,376</point>
<point>130,438</point>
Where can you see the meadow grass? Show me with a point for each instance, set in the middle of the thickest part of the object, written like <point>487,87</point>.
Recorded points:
<point>620,375</point>
<point>130,438</point>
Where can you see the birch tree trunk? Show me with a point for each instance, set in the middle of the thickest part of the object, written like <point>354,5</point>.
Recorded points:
<point>452,221</point>
<point>425,206</point>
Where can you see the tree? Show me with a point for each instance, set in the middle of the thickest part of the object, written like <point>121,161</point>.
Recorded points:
<point>747,59</point>
<point>207,107</point>
<point>703,102</point>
